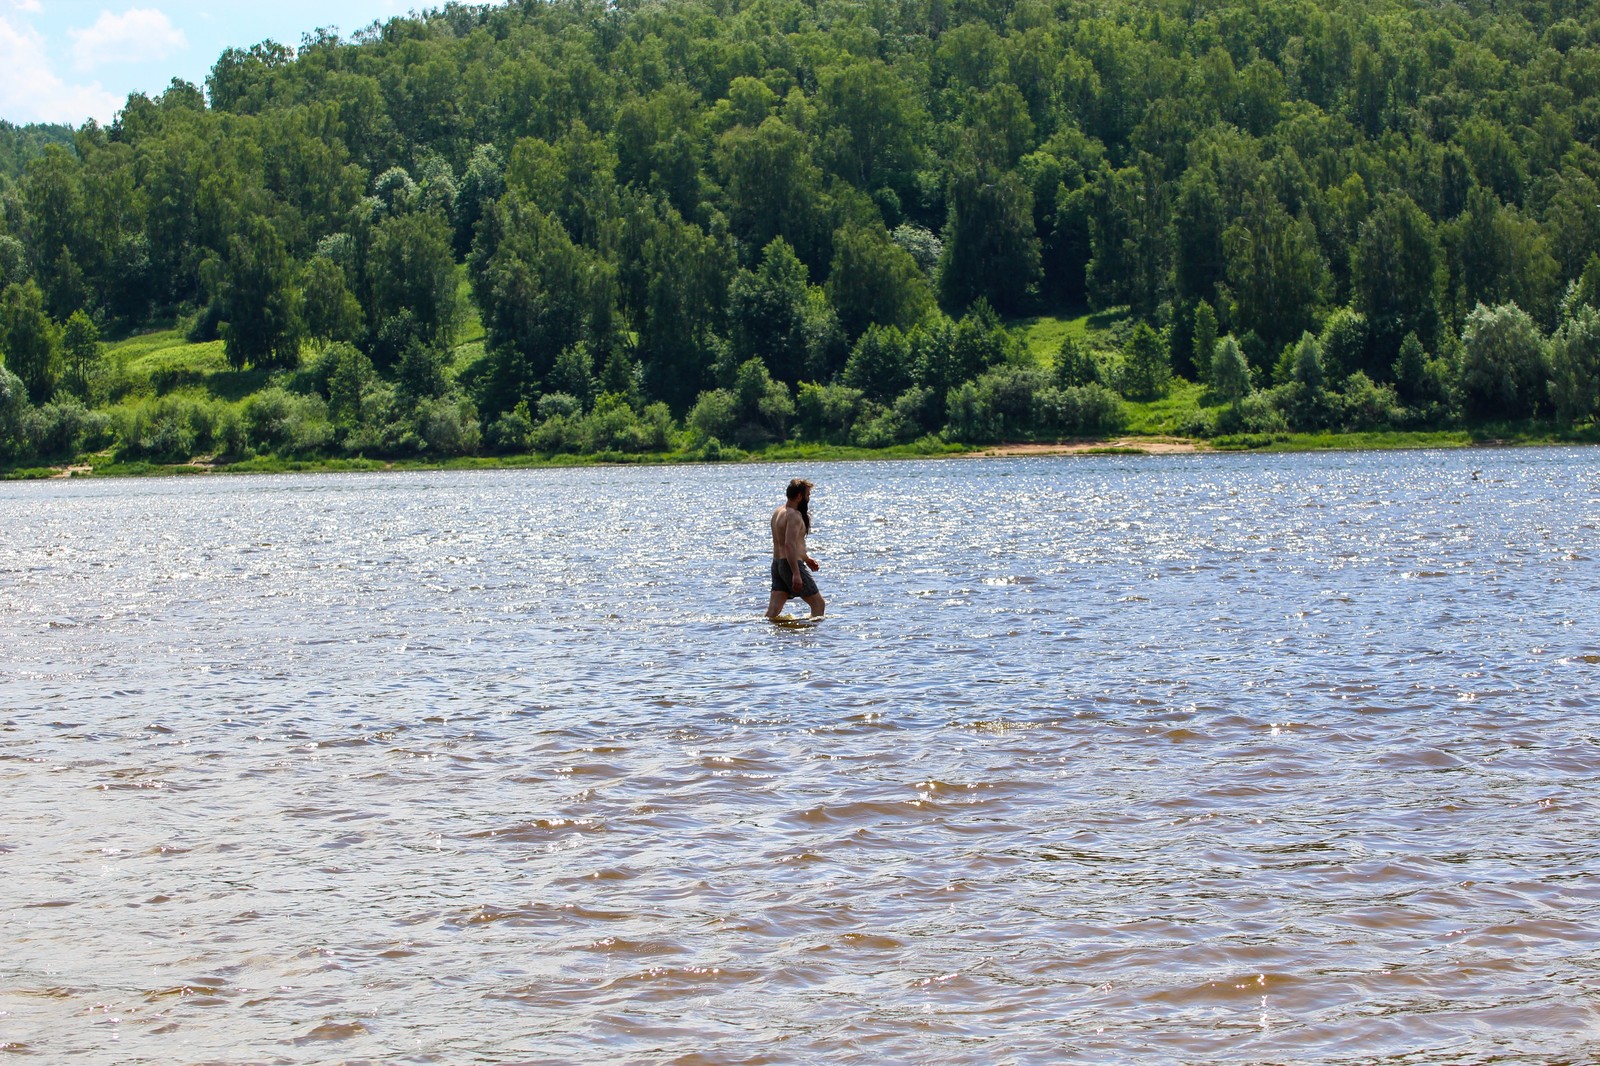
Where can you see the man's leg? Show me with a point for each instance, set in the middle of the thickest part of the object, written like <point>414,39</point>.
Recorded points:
<point>816,603</point>
<point>775,603</point>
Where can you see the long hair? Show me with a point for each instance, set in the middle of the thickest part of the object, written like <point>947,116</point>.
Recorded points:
<point>802,488</point>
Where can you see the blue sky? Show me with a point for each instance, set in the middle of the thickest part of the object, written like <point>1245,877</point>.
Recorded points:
<point>69,61</point>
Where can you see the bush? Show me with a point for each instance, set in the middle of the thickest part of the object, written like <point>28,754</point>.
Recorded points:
<point>559,405</point>
<point>67,429</point>
<point>284,423</point>
<point>1019,403</point>
<point>1365,405</point>
<point>1197,424</point>
<point>1096,411</point>
<point>715,414</point>
<point>448,427</point>
<point>171,429</point>
<point>558,433</point>
<point>512,432</point>
<point>1255,413</point>
<point>828,413</point>
<point>14,409</point>
<point>612,426</point>
<point>968,419</point>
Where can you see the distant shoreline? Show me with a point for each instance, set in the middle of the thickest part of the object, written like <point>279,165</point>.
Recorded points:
<point>107,467</point>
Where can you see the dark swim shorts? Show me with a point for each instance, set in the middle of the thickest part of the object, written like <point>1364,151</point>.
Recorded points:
<point>783,580</point>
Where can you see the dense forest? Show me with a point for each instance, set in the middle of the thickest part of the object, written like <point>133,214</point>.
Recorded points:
<point>709,224</point>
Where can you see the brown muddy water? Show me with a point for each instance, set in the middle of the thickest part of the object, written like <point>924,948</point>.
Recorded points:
<point>1179,759</point>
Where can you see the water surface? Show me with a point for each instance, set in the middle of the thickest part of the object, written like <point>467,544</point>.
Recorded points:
<point>1134,759</point>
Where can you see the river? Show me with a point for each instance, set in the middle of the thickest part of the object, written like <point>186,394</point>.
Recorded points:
<point>1093,759</point>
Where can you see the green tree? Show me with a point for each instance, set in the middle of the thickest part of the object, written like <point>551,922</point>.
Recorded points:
<point>1394,269</point>
<point>1308,401</point>
<point>1575,366</point>
<point>1504,372</point>
<point>352,375</point>
<point>990,248</point>
<point>1230,373</point>
<point>81,352</point>
<point>870,121</point>
<point>1146,371</point>
<point>880,364</point>
<point>1275,270</point>
<point>1199,262</point>
<point>1075,365</point>
<point>684,308</point>
<point>1344,344</point>
<point>538,294</point>
<point>28,339</point>
<point>766,312</point>
<point>774,189</point>
<point>330,310</point>
<point>1205,339</point>
<point>260,303</point>
<point>875,281</point>
<point>14,409</point>
<point>412,268</point>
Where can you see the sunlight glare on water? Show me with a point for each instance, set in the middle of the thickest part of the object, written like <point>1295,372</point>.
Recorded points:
<point>1094,759</point>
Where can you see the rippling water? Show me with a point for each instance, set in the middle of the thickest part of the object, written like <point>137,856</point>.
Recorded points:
<point>1094,759</point>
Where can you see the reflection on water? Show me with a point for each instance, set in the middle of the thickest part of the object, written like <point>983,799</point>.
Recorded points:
<point>1179,759</point>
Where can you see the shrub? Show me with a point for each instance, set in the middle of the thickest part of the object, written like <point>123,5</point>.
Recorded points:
<point>14,408</point>
<point>512,432</point>
<point>968,418</point>
<point>1098,411</point>
<point>715,414</point>
<point>612,426</point>
<point>558,433</point>
<point>448,427</point>
<point>828,413</point>
<point>1365,405</point>
<point>1255,413</point>
<point>1197,424</point>
<point>170,430</point>
<point>285,423</point>
<point>67,429</point>
<point>559,405</point>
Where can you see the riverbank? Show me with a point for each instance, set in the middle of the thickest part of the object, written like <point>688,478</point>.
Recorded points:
<point>106,465</point>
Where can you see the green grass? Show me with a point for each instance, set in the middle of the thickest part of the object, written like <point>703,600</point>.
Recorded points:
<point>146,354</point>
<point>1163,417</point>
<point>164,361</point>
<point>1374,440</point>
<point>1044,333</point>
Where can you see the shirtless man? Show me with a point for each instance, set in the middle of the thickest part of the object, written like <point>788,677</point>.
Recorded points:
<point>790,524</point>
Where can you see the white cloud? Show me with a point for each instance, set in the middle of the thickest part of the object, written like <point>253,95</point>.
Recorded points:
<point>31,92</point>
<point>139,35</point>
<point>31,7</point>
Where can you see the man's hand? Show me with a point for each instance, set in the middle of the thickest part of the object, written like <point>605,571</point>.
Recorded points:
<point>813,563</point>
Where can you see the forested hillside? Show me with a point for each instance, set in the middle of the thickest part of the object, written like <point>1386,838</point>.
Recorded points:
<point>650,225</point>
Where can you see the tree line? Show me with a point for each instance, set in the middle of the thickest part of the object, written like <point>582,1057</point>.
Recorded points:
<point>752,221</point>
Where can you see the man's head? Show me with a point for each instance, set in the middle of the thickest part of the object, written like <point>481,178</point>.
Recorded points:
<point>799,494</point>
